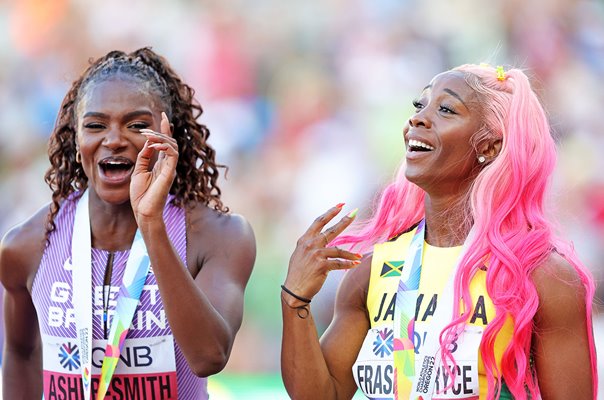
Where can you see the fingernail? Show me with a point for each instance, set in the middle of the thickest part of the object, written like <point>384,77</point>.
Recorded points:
<point>353,213</point>
<point>149,134</point>
<point>359,255</point>
<point>340,205</point>
<point>356,262</point>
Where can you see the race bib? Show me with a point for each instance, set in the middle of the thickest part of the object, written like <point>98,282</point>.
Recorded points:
<point>464,350</point>
<point>146,370</point>
<point>374,368</point>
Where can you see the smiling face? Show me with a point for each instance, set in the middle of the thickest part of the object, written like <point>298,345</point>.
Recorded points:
<point>110,115</point>
<point>440,155</point>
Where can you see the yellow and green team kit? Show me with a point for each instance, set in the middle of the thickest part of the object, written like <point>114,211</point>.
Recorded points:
<point>374,369</point>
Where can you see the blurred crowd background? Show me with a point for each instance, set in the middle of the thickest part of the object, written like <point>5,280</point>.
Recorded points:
<point>306,103</point>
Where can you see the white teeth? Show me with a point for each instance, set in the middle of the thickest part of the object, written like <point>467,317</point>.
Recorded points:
<point>114,162</point>
<point>417,143</point>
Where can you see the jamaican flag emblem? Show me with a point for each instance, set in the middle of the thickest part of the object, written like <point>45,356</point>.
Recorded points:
<point>391,268</point>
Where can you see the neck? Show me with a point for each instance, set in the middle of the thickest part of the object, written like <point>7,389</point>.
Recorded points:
<point>446,220</point>
<point>113,225</point>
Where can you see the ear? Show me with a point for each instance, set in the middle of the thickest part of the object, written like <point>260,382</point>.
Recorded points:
<point>78,155</point>
<point>490,148</point>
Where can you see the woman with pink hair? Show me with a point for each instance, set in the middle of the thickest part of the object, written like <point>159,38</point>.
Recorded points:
<point>468,293</point>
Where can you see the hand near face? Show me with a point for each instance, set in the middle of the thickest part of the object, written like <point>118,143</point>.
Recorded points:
<point>151,182</point>
<point>312,259</point>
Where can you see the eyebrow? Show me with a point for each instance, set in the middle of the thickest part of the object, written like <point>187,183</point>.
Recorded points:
<point>458,97</point>
<point>138,113</point>
<point>94,114</point>
<point>451,92</point>
<point>130,115</point>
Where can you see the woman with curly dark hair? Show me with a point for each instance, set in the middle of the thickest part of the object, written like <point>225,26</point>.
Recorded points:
<point>130,283</point>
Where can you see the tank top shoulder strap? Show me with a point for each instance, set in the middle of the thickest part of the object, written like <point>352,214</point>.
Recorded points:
<point>59,240</point>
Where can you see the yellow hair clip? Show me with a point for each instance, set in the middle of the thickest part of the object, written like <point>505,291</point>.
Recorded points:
<point>500,73</point>
<point>484,65</point>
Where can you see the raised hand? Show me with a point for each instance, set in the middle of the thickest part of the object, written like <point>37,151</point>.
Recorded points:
<point>312,260</point>
<point>151,181</point>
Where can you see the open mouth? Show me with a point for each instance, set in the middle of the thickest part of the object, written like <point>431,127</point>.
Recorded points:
<point>116,169</point>
<point>416,145</point>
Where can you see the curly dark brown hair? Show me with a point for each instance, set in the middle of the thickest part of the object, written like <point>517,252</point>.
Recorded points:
<point>196,172</point>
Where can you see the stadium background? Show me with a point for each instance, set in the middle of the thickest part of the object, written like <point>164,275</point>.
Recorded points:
<point>305,102</point>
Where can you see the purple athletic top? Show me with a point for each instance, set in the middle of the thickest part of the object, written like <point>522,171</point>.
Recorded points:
<point>151,364</point>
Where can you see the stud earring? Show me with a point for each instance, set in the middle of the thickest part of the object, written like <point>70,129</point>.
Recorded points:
<point>481,159</point>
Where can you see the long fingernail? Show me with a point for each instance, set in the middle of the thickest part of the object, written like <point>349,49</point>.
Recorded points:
<point>353,213</point>
<point>150,134</point>
<point>356,262</point>
<point>359,255</point>
<point>340,205</point>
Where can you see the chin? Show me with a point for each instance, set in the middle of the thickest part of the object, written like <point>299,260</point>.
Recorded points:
<point>413,176</point>
<point>115,196</point>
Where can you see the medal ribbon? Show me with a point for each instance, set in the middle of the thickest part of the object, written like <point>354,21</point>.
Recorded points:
<point>406,299</point>
<point>131,287</point>
<point>408,384</point>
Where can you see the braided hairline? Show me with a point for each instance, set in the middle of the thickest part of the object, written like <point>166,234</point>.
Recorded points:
<point>132,65</point>
<point>197,172</point>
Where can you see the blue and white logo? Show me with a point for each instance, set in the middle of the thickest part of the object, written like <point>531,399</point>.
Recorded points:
<point>384,343</point>
<point>70,356</point>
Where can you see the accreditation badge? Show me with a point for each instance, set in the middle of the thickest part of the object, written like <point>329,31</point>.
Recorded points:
<point>146,369</point>
<point>374,368</point>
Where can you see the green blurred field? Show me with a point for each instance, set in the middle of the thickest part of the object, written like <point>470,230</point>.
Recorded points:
<point>250,387</point>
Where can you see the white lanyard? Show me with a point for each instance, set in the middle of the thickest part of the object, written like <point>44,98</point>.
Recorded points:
<point>81,260</point>
<point>131,287</point>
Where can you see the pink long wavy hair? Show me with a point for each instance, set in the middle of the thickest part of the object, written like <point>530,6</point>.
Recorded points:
<point>512,234</point>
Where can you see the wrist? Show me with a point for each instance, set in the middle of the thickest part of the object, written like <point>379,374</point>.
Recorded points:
<point>302,310</point>
<point>150,224</point>
<point>292,299</point>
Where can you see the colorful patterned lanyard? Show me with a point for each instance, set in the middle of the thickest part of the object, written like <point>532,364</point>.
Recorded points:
<point>406,298</point>
<point>131,287</point>
<point>406,380</point>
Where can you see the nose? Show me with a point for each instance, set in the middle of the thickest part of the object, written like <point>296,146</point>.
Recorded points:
<point>420,118</point>
<point>114,138</point>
